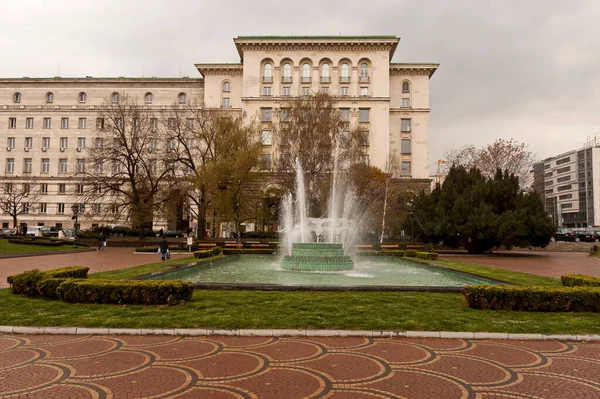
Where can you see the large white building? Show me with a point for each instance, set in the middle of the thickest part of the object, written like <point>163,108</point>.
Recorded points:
<point>47,123</point>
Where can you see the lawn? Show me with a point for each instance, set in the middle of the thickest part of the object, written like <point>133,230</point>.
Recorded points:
<point>225,309</point>
<point>8,248</point>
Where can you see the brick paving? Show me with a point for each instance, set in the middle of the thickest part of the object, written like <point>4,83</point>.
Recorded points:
<point>67,366</point>
<point>109,259</point>
<point>550,264</point>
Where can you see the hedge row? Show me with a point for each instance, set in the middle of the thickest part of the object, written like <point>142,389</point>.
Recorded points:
<point>26,283</point>
<point>539,299</point>
<point>579,280</point>
<point>248,251</point>
<point>133,292</point>
<point>370,252</point>
<point>409,253</point>
<point>207,253</point>
<point>46,242</point>
<point>427,255</point>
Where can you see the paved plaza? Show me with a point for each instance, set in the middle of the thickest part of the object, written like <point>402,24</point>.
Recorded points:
<point>68,366</point>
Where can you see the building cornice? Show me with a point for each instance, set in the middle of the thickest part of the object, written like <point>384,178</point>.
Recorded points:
<point>428,69</point>
<point>219,69</point>
<point>410,109</point>
<point>316,43</point>
<point>337,99</point>
<point>101,82</point>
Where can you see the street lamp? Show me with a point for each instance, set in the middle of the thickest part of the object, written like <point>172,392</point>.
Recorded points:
<point>76,209</point>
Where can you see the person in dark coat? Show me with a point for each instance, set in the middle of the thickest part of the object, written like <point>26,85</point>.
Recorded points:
<point>101,242</point>
<point>163,246</point>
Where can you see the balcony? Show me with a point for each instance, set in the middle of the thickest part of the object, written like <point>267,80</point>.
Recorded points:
<point>286,79</point>
<point>344,79</point>
<point>267,79</point>
<point>364,79</point>
<point>305,79</point>
<point>325,79</point>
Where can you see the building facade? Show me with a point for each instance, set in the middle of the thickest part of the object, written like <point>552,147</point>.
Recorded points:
<point>48,123</point>
<point>569,185</point>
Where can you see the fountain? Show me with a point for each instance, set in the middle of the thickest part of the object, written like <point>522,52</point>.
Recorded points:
<point>319,244</point>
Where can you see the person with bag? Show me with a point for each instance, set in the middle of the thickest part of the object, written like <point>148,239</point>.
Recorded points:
<point>101,242</point>
<point>163,247</point>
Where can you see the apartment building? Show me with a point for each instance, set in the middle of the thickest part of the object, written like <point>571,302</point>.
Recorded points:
<point>47,123</point>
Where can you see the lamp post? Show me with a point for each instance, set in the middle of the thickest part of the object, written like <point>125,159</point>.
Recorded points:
<point>76,209</point>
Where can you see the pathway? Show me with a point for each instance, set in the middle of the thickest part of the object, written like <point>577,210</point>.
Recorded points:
<point>109,259</point>
<point>550,264</point>
<point>67,366</point>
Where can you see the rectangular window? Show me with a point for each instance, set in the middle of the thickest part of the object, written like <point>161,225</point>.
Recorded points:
<point>82,123</point>
<point>45,142</point>
<point>284,115</point>
<point>287,91</point>
<point>44,188</point>
<point>96,208</point>
<point>43,207</point>
<point>364,158</point>
<point>405,125</point>
<point>80,142</point>
<point>344,91</point>
<point>60,208</point>
<point>26,188</point>
<point>8,187</point>
<point>10,165</point>
<point>563,179</point>
<point>364,91</point>
<point>563,160</point>
<point>345,114</point>
<point>99,123</point>
<point>226,102</point>
<point>80,165</point>
<point>364,138</point>
<point>189,122</point>
<point>62,188</point>
<point>267,137</point>
<point>29,123</point>
<point>267,91</point>
<point>45,165</point>
<point>565,196</point>
<point>284,161</point>
<point>153,165</point>
<point>62,165</point>
<point>47,123</point>
<point>363,115</point>
<point>10,142</point>
<point>265,162</point>
<point>12,123</point>
<point>64,142</point>
<point>25,207</point>
<point>79,188</point>
<point>98,166</point>
<point>566,206</point>
<point>563,170</point>
<point>29,142</point>
<point>306,91</point>
<point>153,124</point>
<point>27,165</point>
<point>405,146</point>
<point>266,114</point>
<point>405,168</point>
<point>153,144</point>
<point>325,90</point>
<point>64,123</point>
<point>565,187</point>
<point>405,103</point>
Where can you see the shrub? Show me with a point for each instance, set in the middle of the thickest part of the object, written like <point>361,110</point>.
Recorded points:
<point>579,280</point>
<point>68,272</point>
<point>388,252</point>
<point>46,287</point>
<point>410,253</point>
<point>260,234</point>
<point>539,299</point>
<point>217,250</point>
<point>134,292</point>
<point>42,242</point>
<point>248,251</point>
<point>147,249</point>
<point>25,283</point>
<point>427,255</point>
<point>205,253</point>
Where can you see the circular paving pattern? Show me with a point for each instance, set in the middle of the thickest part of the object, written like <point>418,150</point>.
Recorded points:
<point>55,366</point>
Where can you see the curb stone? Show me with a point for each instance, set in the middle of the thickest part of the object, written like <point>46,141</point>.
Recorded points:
<point>294,333</point>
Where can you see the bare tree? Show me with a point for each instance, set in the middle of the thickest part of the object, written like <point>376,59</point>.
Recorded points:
<point>18,198</point>
<point>125,165</point>
<point>507,155</point>
<point>313,131</point>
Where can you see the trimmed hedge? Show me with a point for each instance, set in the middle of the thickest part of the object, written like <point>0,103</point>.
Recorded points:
<point>248,251</point>
<point>538,299</point>
<point>410,253</point>
<point>68,272</point>
<point>133,292</point>
<point>579,280</point>
<point>427,255</point>
<point>394,252</point>
<point>46,243</point>
<point>25,283</point>
<point>47,287</point>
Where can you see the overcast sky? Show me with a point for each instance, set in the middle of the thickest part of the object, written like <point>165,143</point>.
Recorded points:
<point>522,69</point>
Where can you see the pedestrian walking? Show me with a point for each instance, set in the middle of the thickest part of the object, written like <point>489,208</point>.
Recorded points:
<point>163,247</point>
<point>101,242</point>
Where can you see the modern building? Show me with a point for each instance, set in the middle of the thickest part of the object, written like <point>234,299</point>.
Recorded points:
<point>569,185</point>
<point>47,123</point>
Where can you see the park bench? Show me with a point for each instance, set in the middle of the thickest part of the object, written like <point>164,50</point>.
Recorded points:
<point>206,244</point>
<point>417,246</point>
<point>258,245</point>
<point>234,245</point>
<point>364,246</point>
<point>395,246</point>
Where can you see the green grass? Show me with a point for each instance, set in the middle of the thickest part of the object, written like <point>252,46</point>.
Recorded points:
<point>9,248</point>
<point>298,310</point>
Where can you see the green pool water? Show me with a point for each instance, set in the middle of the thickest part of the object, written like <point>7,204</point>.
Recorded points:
<point>376,271</point>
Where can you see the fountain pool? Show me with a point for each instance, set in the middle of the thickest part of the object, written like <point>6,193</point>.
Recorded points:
<point>368,271</point>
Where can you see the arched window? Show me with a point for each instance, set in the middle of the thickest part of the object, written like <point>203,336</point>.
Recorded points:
<point>345,72</point>
<point>306,70</point>
<point>49,97</point>
<point>148,98</point>
<point>227,86</point>
<point>364,71</point>
<point>268,73</point>
<point>82,97</point>
<point>115,97</point>
<point>287,72</point>
<point>17,97</point>
<point>182,98</point>
<point>405,87</point>
<point>325,71</point>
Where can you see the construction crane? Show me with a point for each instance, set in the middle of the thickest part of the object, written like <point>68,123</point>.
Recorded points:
<point>440,174</point>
